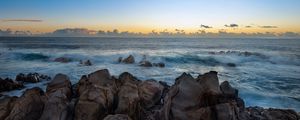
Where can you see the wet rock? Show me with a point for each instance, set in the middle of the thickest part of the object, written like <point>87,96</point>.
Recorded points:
<point>8,84</point>
<point>96,96</point>
<point>63,60</point>
<point>145,64</point>
<point>32,77</point>
<point>129,60</point>
<point>6,105</point>
<point>58,99</point>
<point>117,117</point>
<point>85,63</point>
<point>160,64</point>
<point>120,59</point>
<point>28,107</point>
<point>259,113</point>
<point>231,65</point>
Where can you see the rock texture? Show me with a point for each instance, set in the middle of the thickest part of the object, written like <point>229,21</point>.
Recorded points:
<point>100,96</point>
<point>8,84</point>
<point>32,77</point>
<point>129,60</point>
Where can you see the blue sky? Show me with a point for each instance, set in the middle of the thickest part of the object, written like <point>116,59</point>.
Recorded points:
<point>145,15</point>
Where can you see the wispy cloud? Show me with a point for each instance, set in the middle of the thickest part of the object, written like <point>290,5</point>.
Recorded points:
<point>268,26</point>
<point>205,26</point>
<point>248,26</point>
<point>21,20</point>
<point>232,25</point>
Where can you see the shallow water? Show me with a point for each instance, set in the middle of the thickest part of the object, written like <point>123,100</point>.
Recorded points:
<point>266,72</point>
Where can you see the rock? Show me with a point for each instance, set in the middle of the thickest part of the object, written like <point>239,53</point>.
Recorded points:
<point>231,65</point>
<point>228,90</point>
<point>128,96</point>
<point>150,92</point>
<point>62,60</point>
<point>6,105</point>
<point>160,64</point>
<point>8,84</point>
<point>85,63</point>
<point>259,113</point>
<point>197,98</point>
<point>145,64</point>
<point>96,96</point>
<point>58,93</point>
<point>29,106</point>
<point>120,59</point>
<point>129,60</point>
<point>32,77</point>
<point>117,117</point>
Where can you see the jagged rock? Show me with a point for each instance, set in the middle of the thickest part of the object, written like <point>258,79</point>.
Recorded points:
<point>8,84</point>
<point>228,90</point>
<point>145,64</point>
<point>62,60</point>
<point>129,60</point>
<point>150,92</point>
<point>128,96</point>
<point>6,105</point>
<point>85,63</point>
<point>28,107</point>
<point>259,113</point>
<point>197,98</point>
<point>120,59</point>
<point>160,64</point>
<point>96,96</point>
<point>117,117</point>
<point>58,98</point>
<point>31,77</point>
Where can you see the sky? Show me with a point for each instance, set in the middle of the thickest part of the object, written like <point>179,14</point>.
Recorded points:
<point>250,16</point>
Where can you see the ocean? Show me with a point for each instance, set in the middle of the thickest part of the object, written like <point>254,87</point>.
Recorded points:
<point>265,71</point>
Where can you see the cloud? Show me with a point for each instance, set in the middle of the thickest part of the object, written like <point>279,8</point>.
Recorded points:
<point>248,26</point>
<point>232,25</point>
<point>72,32</point>
<point>268,26</point>
<point>21,20</point>
<point>205,26</point>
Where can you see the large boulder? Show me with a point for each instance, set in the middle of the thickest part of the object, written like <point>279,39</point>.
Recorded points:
<point>29,106</point>
<point>129,60</point>
<point>128,96</point>
<point>150,92</point>
<point>58,98</point>
<point>259,113</point>
<point>145,63</point>
<point>198,99</point>
<point>6,105</point>
<point>8,84</point>
<point>96,96</point>
<point>117,117</point>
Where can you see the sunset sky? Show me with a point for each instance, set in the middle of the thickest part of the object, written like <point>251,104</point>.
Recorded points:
<point>41,16</point>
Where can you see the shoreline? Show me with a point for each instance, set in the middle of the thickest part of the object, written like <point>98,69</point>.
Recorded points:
<point>127,97</point>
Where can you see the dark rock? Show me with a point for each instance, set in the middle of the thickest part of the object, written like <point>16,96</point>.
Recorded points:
<point>145,64</point>
<point>6,105</point>
<point>160,64</point>
<point>117,117</point>
<point>85,63</point>
<point>228,90</point>
<point>129,60</point>
<point>120,59</point>
<point>8,84</point>
<point>231,65</point>
<point>128,96</point>
<point>259,113</point>
<point>58,98</point>
<point>29,106</point>
<point>62,60</point>
<point>150,92</point>
<point>96,96</point>
<point>32,77</point>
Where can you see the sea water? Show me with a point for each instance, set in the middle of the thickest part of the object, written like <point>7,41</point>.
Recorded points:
<point>265,71</point>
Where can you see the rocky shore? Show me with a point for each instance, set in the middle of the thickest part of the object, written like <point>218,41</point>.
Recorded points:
<point>101,96</point>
